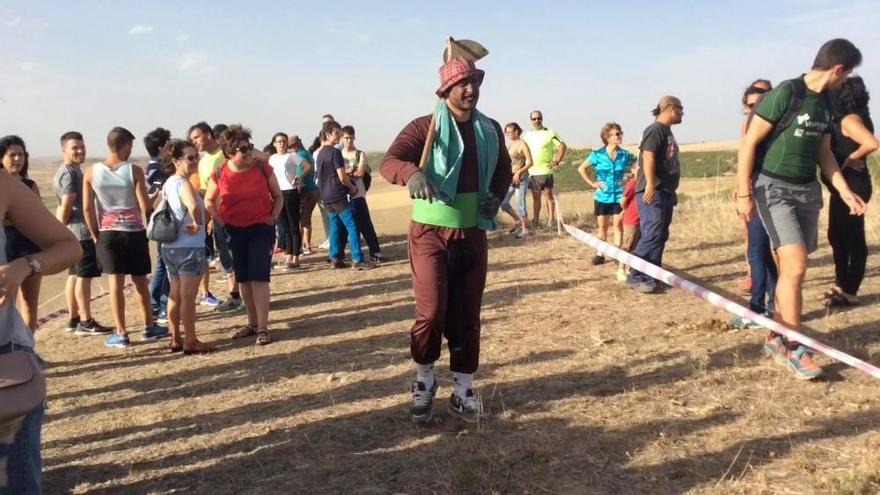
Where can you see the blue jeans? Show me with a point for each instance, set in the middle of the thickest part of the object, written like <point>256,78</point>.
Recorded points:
<point>654,220</point>
<point>159,285</point>
<point>521,191</point>
<point>20,451</point>
<point>222,239</point>
<point>762,266</point>
<point>338,221</point>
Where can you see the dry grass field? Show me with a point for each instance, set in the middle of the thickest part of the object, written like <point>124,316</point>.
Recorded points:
<point>591,388</point>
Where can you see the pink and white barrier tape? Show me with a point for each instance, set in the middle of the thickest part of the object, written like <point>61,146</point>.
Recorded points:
<point>55,314</point>
<point>713,298</point>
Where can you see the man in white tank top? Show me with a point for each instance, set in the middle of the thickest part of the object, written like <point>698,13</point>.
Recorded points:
<point>114,200</point>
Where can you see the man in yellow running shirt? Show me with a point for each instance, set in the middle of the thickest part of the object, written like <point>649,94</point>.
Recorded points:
<point>548,150</point>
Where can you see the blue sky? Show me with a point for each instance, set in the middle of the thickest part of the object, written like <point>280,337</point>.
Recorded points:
<point>281,65</point>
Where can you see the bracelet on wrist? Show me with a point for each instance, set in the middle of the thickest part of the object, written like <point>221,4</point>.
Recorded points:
<point>743,195</point>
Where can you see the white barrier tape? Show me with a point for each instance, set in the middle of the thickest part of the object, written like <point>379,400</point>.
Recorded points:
<point>715,299</point>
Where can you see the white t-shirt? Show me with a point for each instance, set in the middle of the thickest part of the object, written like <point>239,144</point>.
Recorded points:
<point>352,161</point>
<point>284,166</point>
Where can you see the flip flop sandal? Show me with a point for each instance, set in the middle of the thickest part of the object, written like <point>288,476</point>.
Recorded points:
<point>829,294</point>
<point>175,346</point>
<point>263,338</point>
<point>245,331</point>
<point>201,348</point>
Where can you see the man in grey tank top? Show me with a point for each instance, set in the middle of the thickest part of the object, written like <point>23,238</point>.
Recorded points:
<point>115,199</point>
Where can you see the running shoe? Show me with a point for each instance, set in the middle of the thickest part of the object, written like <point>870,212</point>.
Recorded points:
<point>306,250</point>
<point>154,332</point>
<point>91,327</point>
<point>776,346</point>
<point>524,234</point>
<point>362,265</point>
<point>325,245</point>
<point>378,258</point>
<point>209,300</point>
<point>641,286</point>
<point>72,324</point>
<point>801,362</point>
<point>117,340</point>
<point>467,407</point>
<point>421,409</point>
<point>744,324</point>
<point>230,306</point>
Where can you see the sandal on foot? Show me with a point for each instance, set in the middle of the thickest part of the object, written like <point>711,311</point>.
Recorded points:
<point>245,331</point>
<point>175,346</point>
<point>263,338</point>
<point>199,348</point>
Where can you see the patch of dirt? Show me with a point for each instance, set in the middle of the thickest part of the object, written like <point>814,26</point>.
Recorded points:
<point>590,387</point>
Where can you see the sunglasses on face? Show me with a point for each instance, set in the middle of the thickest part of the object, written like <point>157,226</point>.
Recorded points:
<point>536,119</point>
<point>245,149</point>
<point>616,134</point>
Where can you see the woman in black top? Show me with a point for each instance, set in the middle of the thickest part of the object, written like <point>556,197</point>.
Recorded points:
<point>15,162</point>
<point>852,140</point>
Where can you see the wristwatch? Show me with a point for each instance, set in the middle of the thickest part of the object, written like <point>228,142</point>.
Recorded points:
<point>35,264</point>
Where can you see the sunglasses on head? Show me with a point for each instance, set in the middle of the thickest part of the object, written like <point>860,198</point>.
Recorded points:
<point>245,148</point>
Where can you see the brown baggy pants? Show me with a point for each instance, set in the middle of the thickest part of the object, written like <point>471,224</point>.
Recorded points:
<point>449,275</point>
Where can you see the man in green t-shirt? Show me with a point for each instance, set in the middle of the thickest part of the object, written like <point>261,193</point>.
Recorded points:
<point>786,194</point>
<point>547,150</point>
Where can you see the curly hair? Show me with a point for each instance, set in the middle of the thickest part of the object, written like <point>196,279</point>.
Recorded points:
<point>173,150</point>
<point>853,98</point>
<point>234,137</point>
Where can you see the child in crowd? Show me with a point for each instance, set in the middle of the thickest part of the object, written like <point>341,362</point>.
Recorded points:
<point>630,214</point>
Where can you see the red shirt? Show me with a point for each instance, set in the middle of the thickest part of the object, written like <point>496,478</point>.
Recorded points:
<point>245,198</point>
<point>631,213</point>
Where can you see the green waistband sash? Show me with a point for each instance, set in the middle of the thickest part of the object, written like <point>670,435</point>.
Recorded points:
<point>461,213</point>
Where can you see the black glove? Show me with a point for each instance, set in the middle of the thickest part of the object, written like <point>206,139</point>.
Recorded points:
<point>489,206</point>
<point>419,187</point>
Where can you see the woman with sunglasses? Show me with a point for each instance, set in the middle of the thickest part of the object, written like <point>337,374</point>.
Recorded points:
<point>760,281</point>
<point>244,194</point>
<point>611,163</point>
<point>184,257</point>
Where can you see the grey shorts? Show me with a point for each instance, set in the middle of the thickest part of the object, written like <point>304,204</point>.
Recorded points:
<point>541,182</point>
<point>789,212</point>
<point>186,262</point>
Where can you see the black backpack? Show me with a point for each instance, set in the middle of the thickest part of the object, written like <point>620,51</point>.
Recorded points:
<point>795,103</point>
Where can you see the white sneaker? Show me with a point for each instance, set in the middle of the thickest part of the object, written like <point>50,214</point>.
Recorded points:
<point>325,245</point>
<point>421,409</point>
<point>467,407</point>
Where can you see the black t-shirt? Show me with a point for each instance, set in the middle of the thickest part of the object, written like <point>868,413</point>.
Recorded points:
<point>659,139</point>
<point>329,160</point>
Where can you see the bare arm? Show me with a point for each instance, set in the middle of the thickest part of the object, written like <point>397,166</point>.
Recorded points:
<point>343,177</point>
<point>212,203</point>
<point>758,130</point>
<point>829,167</point>
<point>188,198</point>
<point>854,128</point>
<point>65,207</point>
<point>528,152</point>
<point>583,169</point>
<point>561,152</point>
<point>89,213</point>
<point>140,190</point>
<point>60,249</point>
<point>361,169</point>
<point>277,197</point>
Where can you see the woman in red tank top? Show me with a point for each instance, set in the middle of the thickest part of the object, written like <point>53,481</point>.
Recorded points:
<point>245,198</point>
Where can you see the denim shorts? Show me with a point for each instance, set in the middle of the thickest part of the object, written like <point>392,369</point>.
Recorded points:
<point>20,456</point>
<point>187,262</point>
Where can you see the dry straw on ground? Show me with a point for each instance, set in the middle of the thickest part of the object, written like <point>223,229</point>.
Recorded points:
<point>591,387</point>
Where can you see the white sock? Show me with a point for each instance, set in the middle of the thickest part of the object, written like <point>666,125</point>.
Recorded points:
<point>425,374</point>
<point>461,382</point>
